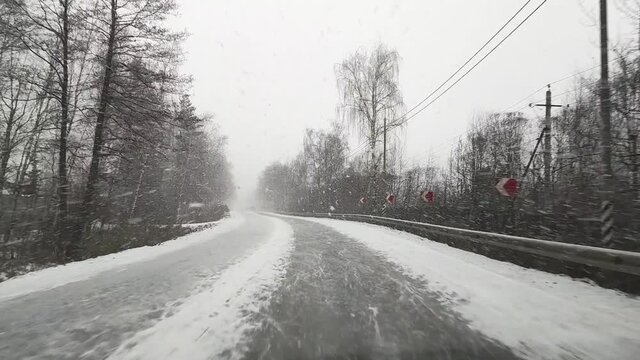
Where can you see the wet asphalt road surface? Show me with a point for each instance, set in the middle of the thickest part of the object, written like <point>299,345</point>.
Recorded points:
<point>340,300</point>
<point>89,319</point>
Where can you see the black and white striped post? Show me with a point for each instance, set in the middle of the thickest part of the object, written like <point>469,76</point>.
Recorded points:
<point>606,218</point>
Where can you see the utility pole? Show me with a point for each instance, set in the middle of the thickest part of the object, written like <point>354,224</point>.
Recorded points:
<point>547,139</point>
<point>384,146</point>
<point>605,101</point>
<point>605,130</point>
<point>633,139</point>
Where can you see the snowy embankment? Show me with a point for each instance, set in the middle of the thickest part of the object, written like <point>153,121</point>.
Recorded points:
<point>53,277</point>
<point>199,225</point>
<point>214,323</point>
<point>537,314</point>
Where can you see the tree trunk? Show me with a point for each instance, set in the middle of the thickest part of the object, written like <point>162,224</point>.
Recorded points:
<point>98,138</point>
<point>136,194</point>
<point>63,183</point>
<point>6,152</point>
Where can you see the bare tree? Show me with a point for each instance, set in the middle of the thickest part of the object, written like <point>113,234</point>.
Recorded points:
<point>325,154</point>
<point>49,40</point>
<point>14,101</point>
<point>370,95</point>
<point>89,128</point>
<point>131,30</point>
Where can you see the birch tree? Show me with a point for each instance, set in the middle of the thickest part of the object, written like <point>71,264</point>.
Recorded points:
<point>369,94</point>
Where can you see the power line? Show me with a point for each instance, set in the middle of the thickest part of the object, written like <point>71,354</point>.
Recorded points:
<point>356,150</point>
<point>590,82</point>
<point>551,83</point>
<point>468,60</point>
<point>555,82</point>
<point>479,62</point>
<point>532,131</point>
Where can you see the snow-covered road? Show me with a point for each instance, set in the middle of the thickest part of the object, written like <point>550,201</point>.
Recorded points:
<point>284,287</point>
<point>94,306</point>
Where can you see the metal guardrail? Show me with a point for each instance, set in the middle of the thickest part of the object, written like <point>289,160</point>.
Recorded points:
<point>615,260</point>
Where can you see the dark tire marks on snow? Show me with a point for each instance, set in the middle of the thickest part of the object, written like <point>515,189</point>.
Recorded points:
<point>339,300</point>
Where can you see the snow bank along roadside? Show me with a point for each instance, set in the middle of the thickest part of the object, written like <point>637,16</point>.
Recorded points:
<point>199,225</point>
<point>538,314</point>
<point>53,277</point>
<point>213,323</point>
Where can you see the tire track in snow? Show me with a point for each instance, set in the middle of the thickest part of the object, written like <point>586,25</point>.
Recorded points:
<point>340,300</point>
<point>537,314</point>
<point>215,322</point>
<point>53,277</point>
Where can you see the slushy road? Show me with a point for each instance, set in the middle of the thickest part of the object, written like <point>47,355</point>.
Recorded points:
<point>269,287</point>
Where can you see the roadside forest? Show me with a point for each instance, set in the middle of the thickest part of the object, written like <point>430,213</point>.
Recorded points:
<point>329,176</point>
<point>101,148</point>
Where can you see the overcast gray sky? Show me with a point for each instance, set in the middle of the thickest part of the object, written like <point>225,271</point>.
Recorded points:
<point>265,68</point>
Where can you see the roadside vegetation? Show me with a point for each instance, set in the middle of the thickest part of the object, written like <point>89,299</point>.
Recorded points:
<point>329,176</point>
<point>101,148</point>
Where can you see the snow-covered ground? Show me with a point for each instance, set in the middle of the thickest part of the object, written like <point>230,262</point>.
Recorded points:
<point>215,321</point>
<point>537,314</point>
<point>197,225</point>
<point>81,270</point>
